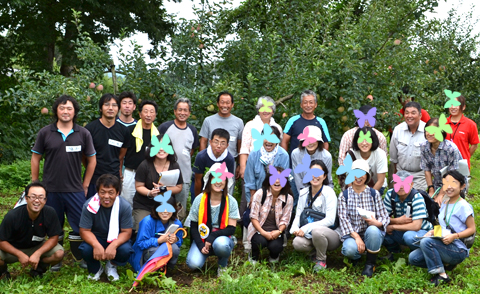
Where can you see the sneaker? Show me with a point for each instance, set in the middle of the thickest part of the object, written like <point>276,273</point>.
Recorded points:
<point>273,260</point>
<point>221,270</point>
<point>96,277</point>
<point>319,265</point>
<point>82,264</point>
<point>437,280</point>
<point>252,261</point>
<point>111,271</point>
<point>56,267</point>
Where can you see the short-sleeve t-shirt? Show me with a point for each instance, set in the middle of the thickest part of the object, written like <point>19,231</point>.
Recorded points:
<point>99,223</point>
<point>456,216</point>
<point>62,171</point>
<point>203,161</point>
<point>377,162</point>
<point>133,123</point>
<point>21,232</point>
<point>232,124</point>
<point>215,211</point>
<point>296,124</point>
<point>107,143</point>
<point>419,209</point>
<point>464,133</point>
<point>147,174</point>
<point>183,142</point>
<point>132,157</point>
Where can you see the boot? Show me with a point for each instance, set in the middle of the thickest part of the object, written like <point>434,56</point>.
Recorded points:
<point>370,265</point>
<point>75,241</point>
<point>42,267</point>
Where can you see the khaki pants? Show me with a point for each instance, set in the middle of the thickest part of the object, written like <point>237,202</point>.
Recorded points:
<point>323,239</point>
<point>10,258</point>
<point>138,215</point>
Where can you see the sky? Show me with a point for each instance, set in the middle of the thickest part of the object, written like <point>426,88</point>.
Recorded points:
<point>184,9</point>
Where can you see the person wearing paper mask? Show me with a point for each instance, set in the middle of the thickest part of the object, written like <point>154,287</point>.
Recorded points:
<point>457,226</point>
<point>310,144</point>
<point>270,214</point>
<point>106,228</point>
<point>403,228</point>
<point>405,145</point>
<point>365,146</point>
<point>316,234</point>
<point>438,153</point>
<point>362,216</point>
<point>365,117</point>
<point>212,220</point>
<point>152,232</point>
<point>159,158</point>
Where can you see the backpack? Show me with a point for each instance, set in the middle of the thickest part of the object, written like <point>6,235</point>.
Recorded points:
<point>433,209</point>
<point>246,213</point>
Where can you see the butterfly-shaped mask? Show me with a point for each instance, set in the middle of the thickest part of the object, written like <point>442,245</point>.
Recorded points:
<point>309,172</point>
<point>307,140</point>
<point>362,137</point>
<point>157,145</point>
<point>280,176</point>
<point>450,181</point>
<point>267,135</point>
<point>406,184</point>
<point>266,106</point>
<point>346,168</point>
<point>164,205</point>
<point>452,99</point>
<point>223,170</point>
<point>362,117</point>
<point>442,126</point>
<point>216,177</point>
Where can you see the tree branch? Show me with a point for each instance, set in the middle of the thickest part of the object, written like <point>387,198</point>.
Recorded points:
<point>283,99</point>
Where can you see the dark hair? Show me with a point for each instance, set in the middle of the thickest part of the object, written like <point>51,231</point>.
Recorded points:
<point>171,201</point>
<point>457,176</point>
<point>320,146</point>
<point>105,98</point>
<point>108,180</point>
<point>63,100</point>
<point>434,121</point>
<point>463,102</point>
<point>151,102</point>
<point>413,104</point>
<point>222,133</point>
<point>171,157</point>
<point>365,109</point>
<point>266,182</point>
<point>208,186</point>
<point>275,131</point>
<point>35,184</point>
<point>373,136</point>
<point>127,94</point>
<point>324,168</point>
<point>224,93</point>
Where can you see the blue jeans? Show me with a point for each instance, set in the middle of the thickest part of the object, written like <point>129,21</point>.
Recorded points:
<point>392,242</point>
<point>373,239</point>
<point>432,254</point>
<point>93,265</point>
<point>222,248</point>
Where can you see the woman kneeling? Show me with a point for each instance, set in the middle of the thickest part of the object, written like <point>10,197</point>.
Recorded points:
<point>457,222</point>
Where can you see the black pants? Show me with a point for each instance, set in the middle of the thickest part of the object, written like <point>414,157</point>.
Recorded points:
<point>259,242</point>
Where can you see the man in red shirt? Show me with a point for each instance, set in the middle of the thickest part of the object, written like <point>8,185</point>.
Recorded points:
<point>465,133</point>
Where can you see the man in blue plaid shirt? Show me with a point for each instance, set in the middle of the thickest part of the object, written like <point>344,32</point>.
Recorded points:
<point>403,228</point>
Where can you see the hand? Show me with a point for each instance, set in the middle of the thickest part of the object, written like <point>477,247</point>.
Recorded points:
<point>429,234</point>
<point>110,252</point>
<point>237,172</point>
<point>206,248</point>
<point>449,239</point>
<point>439,199</point>
<point>23,259</point>
<point>373,222</point>
<point>85,189</point>
<point>171,238</point>
<point>275,234</point>
<point>98,252</point>
<point>267,235</point>
<point>162,239</point>
<point>390,229</point>
<point>360,245</point>
<point>300,233</point>
<point>34,260</point>
<point>156,190</point>
<point>431,192</point>
<point>404,220</point>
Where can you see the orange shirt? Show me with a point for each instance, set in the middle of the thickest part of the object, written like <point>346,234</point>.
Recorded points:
<point>464,134</point>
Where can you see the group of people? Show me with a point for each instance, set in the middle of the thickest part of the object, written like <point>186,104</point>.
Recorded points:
<point>120,211</point>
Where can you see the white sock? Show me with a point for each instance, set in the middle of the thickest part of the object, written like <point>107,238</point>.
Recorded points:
<point>444,275</point>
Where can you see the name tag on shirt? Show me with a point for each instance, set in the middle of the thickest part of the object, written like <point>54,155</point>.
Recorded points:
<point>74,148</point>
<point>232,138</point>
<point>115,143</point>
<point>37,238</point>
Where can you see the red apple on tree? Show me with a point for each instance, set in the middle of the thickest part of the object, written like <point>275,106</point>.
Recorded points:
<point>100,87</point>
<point>91,86</point>
<point>44,110</point>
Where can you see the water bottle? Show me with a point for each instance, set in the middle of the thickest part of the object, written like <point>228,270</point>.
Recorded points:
<point>407,214</point>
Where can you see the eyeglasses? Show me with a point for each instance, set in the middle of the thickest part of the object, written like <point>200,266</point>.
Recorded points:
<point>110,104</point>
<point>222,144</point>
<point>34,197</point>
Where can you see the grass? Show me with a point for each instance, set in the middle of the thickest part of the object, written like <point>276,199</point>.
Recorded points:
<point>292,275</point>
